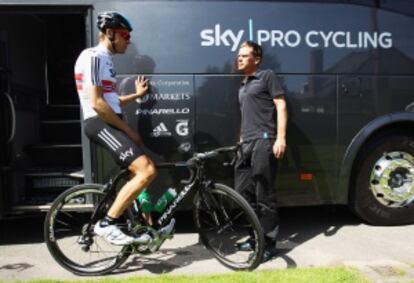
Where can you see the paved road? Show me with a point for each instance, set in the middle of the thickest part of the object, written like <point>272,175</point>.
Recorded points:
<point>318,236</point>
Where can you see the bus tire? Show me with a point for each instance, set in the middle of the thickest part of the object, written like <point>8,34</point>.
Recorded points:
<point>383,193</point>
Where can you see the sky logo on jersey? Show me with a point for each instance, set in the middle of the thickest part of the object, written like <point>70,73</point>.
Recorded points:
<point>113,73</point>
<point>124,155</point>
<point>346,39</point>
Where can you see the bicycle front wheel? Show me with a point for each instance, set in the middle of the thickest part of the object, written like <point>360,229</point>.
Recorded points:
<point>69,234</point>
<point>224,220</point>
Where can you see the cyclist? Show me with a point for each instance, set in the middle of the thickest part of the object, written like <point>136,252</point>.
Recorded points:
<point>103,124</point>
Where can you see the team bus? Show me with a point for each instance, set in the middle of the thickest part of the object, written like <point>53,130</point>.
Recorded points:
<point>347,67</point>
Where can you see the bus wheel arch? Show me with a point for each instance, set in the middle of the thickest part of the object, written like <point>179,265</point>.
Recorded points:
<point>381,187</point>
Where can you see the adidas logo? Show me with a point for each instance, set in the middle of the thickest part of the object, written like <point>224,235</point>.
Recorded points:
<point>160,131</point>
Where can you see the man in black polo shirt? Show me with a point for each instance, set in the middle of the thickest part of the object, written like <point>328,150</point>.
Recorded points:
<point>263,138</point>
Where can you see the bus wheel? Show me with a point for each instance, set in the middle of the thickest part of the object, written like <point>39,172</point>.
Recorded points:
<point>384,190</point>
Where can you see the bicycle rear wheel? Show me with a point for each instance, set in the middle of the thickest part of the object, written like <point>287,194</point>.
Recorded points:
<point>224,219</point>
<point>69,235</point>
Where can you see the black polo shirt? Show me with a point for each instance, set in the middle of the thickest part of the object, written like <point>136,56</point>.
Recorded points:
<point>258,111</point>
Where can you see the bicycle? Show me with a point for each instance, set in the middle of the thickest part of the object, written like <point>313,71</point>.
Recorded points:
<point>222,217</point>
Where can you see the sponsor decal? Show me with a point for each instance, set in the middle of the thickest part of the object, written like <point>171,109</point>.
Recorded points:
<point>169,83</point>
<point>124,155</point>
<point>164,97</point>
<point>219,36</point>
<point>182,128</point>
<point>184,147</point>
<point>173,205</point>
<point>163,111</point>
<point>160,131</point>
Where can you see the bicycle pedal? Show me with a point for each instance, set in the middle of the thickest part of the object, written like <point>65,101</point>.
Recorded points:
<point>143,239</point>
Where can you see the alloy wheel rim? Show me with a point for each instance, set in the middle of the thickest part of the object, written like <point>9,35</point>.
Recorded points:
<point>392,179</point>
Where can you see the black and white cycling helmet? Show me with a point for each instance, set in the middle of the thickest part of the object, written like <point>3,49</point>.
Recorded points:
<point>114,20</point>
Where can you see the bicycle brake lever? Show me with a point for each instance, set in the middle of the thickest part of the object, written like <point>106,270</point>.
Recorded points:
<point>189,180</point>
<point>233,160</point>
<point>231,163</point>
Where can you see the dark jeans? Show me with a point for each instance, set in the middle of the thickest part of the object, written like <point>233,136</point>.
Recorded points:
<point>255,172</point>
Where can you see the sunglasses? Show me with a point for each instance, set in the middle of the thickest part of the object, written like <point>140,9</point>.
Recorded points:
<point>124,34</point>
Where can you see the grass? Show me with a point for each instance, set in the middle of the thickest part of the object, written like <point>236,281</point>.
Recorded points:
<point>399,271</point>
<point>319,275</point>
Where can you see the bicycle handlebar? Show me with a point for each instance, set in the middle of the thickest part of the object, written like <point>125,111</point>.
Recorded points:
<point>210,154</point>
<point>196,159</point>
<point>202,156</point>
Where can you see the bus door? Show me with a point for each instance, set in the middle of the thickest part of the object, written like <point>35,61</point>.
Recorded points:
<point>6,121</point>
<point>40,129</point>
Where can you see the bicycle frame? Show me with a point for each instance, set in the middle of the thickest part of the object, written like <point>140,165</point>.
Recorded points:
<point>195,165</point>
<point>221,217</point>
<point>197,177</point>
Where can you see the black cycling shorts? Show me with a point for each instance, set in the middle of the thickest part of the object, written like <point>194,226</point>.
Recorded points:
<point>117,143</point>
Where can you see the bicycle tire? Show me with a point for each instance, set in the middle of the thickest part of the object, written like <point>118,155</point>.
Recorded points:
<point>224,219</point>
<point>65,225</point>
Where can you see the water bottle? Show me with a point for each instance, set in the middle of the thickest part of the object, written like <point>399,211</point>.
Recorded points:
<point>144,200</point>
<point>165,199</point>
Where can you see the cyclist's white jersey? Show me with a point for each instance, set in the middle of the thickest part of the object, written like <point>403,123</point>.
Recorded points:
<point>95,67</point>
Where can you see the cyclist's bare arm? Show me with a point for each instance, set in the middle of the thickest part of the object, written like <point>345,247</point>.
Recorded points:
<point>106,113</point>
<point>141,88</point>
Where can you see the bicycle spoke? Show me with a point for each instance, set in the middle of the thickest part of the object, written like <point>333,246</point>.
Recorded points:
<point>69,226</point>
<point>224,219</point>
<point>65,213</point>
<point>72,244</point>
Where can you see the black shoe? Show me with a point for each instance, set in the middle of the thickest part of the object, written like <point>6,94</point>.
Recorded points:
<point>268,254</point>
<point>246,246</point>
